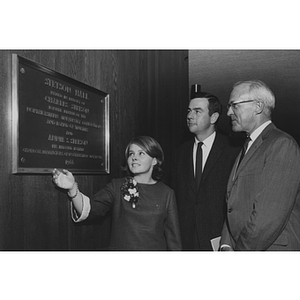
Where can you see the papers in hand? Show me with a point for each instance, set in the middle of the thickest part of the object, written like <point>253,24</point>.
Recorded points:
<point>215,243</point>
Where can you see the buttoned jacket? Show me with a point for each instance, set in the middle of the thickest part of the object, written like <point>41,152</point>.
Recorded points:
<point>263,200</point>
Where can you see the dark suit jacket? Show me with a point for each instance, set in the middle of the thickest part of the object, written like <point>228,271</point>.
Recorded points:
<point>204,209</point>
<point>263,196</point>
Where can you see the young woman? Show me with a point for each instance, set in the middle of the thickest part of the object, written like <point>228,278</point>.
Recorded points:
<point>144,211</point>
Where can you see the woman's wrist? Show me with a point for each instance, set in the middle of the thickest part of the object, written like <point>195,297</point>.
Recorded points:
<point>73,192</point>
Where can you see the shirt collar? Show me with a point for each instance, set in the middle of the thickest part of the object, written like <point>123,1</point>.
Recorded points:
<point>259,130</point>
<point>208,141</point>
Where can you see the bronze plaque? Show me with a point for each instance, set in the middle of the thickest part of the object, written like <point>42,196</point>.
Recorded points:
<point>58,122</point>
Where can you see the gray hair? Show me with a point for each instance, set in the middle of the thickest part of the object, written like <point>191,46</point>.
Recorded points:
<point>260,92</point>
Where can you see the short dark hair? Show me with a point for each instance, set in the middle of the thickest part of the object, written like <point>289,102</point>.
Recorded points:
<point>214,104</point>
<point>153,149</point>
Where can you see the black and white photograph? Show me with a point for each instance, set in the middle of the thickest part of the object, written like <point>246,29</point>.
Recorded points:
<point>133,157</point>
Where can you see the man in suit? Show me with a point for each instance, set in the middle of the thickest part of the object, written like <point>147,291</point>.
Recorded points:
<point>263,199</point>
<point>202,208</point>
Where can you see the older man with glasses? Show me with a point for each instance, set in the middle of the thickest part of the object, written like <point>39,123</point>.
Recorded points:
<point>263,199</point>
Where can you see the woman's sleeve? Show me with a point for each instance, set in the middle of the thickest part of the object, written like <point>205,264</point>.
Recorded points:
<point>86,207</point>
<point>172,231</point>
<point>97,206</point>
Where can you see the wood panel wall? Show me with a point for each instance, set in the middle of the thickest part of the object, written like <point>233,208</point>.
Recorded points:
<point>148,95</point>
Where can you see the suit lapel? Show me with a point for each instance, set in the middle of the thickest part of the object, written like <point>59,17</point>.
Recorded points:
<point>257,143</point>
<point>213,156</point>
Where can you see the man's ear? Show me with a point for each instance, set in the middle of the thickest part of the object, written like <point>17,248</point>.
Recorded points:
<point>214,117</point>
<point>259,107</point>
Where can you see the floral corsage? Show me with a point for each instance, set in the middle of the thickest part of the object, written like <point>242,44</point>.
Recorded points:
<point>130,191</point>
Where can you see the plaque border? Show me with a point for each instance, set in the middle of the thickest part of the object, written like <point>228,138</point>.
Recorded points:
<point>16,169</point>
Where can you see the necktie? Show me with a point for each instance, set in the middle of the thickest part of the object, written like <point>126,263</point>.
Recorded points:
<point>199,164</point>
<point>244,149</point>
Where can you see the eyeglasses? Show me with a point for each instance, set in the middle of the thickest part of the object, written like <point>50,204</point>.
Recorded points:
<point>234,105</point>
